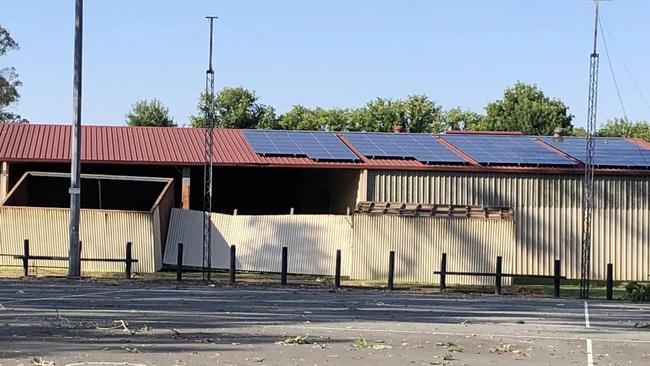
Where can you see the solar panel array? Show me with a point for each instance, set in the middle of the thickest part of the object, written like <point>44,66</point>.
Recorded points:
<point>422,147</point>
<point>610,151</point>
<point>315,145</point>
<point>485,149</point>
<point>507,150</point>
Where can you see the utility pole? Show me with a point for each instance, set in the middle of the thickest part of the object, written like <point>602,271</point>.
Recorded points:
<point>74,253</point>
<point>588,181</point>
<point>207,167</point>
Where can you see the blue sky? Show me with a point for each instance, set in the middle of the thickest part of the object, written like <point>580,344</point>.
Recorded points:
<point>323,53</point>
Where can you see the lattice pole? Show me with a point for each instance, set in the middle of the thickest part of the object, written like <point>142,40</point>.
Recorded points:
<point>207,167</point>
<point>588,181</point>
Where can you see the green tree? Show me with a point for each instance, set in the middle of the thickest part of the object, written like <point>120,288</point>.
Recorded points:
<point>149,113</point>
<point>9,82</point>
<point>526,109</point>
<point>381,115</point>
<point>421,114</point>
<point>621,127</point>
<point>579,132</point>
<point>235,108</point>
<point>459,119</point>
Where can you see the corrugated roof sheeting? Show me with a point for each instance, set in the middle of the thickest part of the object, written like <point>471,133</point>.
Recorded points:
<point>184,146</point>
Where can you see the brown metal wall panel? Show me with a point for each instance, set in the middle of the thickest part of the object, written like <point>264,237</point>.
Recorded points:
<point>548,215</point>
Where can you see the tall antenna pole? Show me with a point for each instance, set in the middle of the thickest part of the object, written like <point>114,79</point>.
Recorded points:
<point>74,252</point>
<point>207,167</point>
<point>588,181</point>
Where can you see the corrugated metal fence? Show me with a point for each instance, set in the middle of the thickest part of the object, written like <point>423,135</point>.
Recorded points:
<point>365,241</point>
<point>547,212</point>
<point>311,241</point>
<point>418,242</point>
<point>103,234</point>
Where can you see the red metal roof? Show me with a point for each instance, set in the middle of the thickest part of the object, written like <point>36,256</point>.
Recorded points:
<point>184,146</point>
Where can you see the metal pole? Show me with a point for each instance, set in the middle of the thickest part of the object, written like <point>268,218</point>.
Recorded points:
<point>443,272</point>
<point>233,262</point>
<point>26,258</point>
<point>610,281</point>
<point>337,270</point>
<point>556,277</point>
<point>207,166</point>
<point>284,267</point>
<point>129,261</point>
<point>391,269</point>
<point>497,278</point>
<point>179,262</point>
<point>74,253</point>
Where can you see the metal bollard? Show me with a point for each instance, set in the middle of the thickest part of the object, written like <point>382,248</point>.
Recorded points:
<point>610,281</point>
<point>283,275</point>
<point>391,269</point>
<point>443,272</point>
<point>179,262</point>
<point>337,273</point>
<point>129,261</point>
<point>556,278</point>
<point>233,263</point>
<point>26,258</point>
<point>499,272</point>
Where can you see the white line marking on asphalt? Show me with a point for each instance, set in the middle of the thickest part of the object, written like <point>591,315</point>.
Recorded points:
<point>587,324</point>
<point>590,353</point>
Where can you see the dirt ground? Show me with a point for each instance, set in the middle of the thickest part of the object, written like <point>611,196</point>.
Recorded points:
<point>58,322</point>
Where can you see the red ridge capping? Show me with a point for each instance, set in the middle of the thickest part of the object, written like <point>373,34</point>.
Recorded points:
<point>456,150</point>
<point>640,142</point>
<point>556,150</point>
<point>465,132</point>
<point>347,143</point>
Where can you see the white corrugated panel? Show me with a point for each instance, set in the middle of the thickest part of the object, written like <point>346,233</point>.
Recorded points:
<point>548,218</point>
<point>311,241</point>
<point>103,234</point>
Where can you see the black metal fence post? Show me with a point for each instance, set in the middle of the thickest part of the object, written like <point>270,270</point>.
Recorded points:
<point>610,281</point>
<point>497,284</point>
<point>391,269</point>
<point>443,272</point>
<point>179,262</point>
<point>233,263</point>
<point>337,273</point>
<point>129,259</point>
<point>26,258</point>
<point>283,275</point>
<point>556,277</point>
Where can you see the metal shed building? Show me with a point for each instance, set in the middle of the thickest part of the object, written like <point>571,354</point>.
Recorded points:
<point>538,178</point>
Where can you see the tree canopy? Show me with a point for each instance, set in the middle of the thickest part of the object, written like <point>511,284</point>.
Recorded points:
<point>9,82</point>
<point>526,109</point>
<point>235,108</point>
<point>149,113</point>
<point>621,127</point>
<point>523,108</point>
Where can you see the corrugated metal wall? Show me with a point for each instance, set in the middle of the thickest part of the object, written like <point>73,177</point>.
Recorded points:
<point>312,241</point>
<point>472,245</point>
<point>103,234</point>
<point>547,212</point>
<point>364,240</point>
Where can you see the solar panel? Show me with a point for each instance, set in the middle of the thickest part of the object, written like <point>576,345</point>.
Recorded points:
<point>506,150</point>
<point>610,151</point>
<point>422,147</point>
<point>315,145</point>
